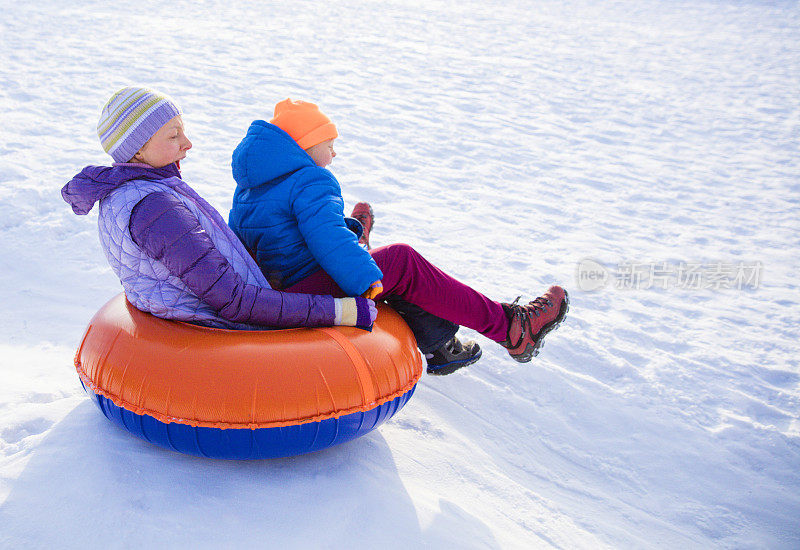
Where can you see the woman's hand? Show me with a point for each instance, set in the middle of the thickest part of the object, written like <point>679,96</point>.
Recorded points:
<point>355,312</point>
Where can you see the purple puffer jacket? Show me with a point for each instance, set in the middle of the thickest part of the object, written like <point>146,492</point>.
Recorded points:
<point>177,258</point>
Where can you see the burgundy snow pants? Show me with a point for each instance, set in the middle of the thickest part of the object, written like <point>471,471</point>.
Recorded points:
<point>409,276</point>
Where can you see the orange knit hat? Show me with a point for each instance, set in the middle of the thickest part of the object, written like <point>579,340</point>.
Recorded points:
<point>304,122</point>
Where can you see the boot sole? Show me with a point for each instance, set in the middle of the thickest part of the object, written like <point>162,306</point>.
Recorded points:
<point>532,349</point>
<point>453,366</point>
<point>372,225</point>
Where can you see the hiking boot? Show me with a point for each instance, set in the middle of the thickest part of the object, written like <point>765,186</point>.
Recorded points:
<point>363,213</point>
<point>452,356</point>
<point>529,324</point>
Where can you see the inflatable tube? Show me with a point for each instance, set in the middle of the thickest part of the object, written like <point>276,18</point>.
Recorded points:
<point>245,394</point>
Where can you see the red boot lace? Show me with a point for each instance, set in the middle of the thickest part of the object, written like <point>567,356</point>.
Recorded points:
<point>538,305</point>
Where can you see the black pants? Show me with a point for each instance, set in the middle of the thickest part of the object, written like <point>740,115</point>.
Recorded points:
<point>430,331</point>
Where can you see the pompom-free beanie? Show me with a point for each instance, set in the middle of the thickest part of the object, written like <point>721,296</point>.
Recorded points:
<point>304,122</point>
<point>130,118</point>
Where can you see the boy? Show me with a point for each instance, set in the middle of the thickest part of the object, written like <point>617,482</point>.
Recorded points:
<point>289,210</point>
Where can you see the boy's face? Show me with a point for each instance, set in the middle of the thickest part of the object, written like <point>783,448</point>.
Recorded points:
<point>322,153</point>
<point>168,145</point>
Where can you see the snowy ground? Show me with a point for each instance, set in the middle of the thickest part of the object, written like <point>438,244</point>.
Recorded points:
<point>508,143</point>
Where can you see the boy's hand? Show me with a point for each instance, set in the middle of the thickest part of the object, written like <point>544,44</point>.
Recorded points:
<point>373,290</point>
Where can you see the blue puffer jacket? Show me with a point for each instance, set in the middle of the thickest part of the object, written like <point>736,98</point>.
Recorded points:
<point>290,212</point>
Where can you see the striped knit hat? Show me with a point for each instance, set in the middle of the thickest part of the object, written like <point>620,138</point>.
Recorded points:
<point>130,118</point>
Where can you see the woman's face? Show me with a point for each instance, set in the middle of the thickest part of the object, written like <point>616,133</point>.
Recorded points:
<point>168,145</point>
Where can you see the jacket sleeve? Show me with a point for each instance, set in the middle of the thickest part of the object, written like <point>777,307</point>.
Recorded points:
<point>168,231</point>
<point>318,207</point>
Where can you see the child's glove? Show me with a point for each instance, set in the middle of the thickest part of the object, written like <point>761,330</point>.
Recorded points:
<point>355,312</point>
<point>373,290</point>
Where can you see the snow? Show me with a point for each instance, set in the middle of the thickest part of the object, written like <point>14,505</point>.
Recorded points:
<point>508,143</point>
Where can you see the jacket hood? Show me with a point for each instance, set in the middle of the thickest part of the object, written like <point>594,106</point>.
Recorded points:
<point>95,182</point>
<point>265,154</point>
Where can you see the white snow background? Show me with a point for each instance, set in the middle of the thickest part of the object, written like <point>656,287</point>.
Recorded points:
<point>507,142</point>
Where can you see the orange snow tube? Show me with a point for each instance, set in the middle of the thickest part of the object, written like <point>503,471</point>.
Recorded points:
<point>245,394</point>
